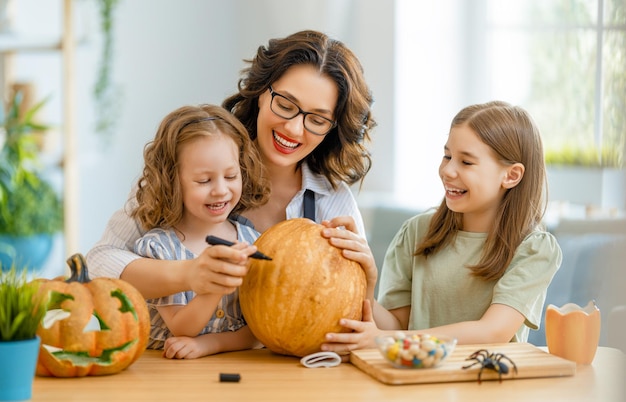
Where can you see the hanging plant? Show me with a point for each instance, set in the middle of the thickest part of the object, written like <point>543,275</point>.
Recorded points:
<point>106,94</point>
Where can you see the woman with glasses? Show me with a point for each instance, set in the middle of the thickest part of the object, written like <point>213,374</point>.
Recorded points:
<point>307,107</point>
<point>305,102</point>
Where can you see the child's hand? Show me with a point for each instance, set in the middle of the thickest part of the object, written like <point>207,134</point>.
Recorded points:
<point>354,247</point>
<point>185,347</point>
<point>219,269</point>
<point>363,337</point>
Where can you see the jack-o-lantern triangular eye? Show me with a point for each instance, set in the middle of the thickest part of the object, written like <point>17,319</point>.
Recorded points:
<point>126,304</point>
<point>52,316</point>
<point>55,315</point>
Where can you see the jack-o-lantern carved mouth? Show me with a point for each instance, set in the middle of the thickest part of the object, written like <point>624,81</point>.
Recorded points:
<point>92,327</point>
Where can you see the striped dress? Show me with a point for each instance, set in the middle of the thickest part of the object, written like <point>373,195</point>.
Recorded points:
<point>165,245</point>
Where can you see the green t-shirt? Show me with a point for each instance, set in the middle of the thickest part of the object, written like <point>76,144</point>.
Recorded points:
<point>441,290</point>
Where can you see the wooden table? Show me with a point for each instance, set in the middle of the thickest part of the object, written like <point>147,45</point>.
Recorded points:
<point>269,377</point>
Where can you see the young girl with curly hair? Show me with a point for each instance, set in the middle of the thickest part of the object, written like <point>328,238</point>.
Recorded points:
<point>200,170</point>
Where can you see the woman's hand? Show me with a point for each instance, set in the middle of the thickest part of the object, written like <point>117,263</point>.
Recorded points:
<point>363,335</point>
<point>354,247</point>
<point>219,269</point>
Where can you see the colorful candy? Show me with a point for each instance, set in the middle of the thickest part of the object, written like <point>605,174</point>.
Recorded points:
<point>416,350</point>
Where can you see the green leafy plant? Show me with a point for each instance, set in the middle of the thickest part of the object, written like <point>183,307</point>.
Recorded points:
<point>35,209</point>
<point>28,204</point>
<point>22,306</point>
<point>606,157</point>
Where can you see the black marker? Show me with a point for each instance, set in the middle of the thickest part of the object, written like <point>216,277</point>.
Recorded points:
<point>227,377</point>
<point>215,241</point>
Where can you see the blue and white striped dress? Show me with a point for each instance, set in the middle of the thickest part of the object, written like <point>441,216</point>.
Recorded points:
<point>165,245</point>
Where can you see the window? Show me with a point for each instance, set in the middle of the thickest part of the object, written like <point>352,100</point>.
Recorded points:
<point>562,60</point>
<point>574,72</point>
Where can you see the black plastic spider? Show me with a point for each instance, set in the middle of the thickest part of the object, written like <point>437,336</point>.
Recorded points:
<point>490,361</point>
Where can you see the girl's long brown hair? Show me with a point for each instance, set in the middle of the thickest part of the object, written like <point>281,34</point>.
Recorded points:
<point>511,132</point>
<point>159,193</point>
<point>342,155</point>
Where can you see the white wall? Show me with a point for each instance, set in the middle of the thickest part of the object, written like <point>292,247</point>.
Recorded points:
<point>191,52</point>
<point>170,53</point>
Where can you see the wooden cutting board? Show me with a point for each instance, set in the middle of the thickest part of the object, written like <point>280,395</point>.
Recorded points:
<point>531,362</point>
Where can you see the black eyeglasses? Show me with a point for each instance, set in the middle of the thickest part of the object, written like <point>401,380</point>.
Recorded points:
<point>287,109</point>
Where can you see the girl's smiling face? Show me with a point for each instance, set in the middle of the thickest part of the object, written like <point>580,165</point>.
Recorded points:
<point>284,142</point>
<point>473,178</point>
<point>211,181</point>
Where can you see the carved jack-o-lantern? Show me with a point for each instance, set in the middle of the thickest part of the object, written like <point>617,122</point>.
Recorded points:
<point>291,302</point>
<point>92,327</point>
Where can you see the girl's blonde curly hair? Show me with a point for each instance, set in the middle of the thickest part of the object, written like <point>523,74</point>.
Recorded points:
<point>159,194</point>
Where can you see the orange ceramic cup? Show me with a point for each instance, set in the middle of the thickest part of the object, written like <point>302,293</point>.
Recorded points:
<point>573,332</point>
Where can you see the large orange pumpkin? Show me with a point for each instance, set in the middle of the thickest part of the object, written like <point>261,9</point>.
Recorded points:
<point>292,301</point>
<point>93,327</point>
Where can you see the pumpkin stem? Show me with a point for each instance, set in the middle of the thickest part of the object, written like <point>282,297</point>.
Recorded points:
<point>78,266</point>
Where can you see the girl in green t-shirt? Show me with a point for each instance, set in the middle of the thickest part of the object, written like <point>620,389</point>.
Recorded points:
<point>477,268</point>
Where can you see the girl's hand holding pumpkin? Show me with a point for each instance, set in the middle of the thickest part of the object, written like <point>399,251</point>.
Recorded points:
<point>354,247</point>
<point>363,334</point>
<point>219,269</point>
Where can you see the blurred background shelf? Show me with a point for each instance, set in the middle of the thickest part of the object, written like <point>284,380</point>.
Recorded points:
<point>61,163</point>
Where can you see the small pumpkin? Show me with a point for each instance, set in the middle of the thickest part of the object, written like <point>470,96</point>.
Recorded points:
<point>292,301</point>
<point>93,327</point>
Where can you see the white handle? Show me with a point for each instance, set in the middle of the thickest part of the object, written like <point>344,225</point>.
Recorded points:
<point>321,359</point>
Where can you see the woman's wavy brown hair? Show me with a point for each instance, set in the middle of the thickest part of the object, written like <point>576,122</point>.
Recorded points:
<point>159,194</point>
<point>342,155</point>
<point>511,132</point>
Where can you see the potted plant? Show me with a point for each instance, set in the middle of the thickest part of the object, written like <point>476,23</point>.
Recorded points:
<point>31,211</point>
<point>22,308</point>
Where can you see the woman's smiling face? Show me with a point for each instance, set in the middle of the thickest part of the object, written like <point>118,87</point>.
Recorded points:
<point>284,142</point>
